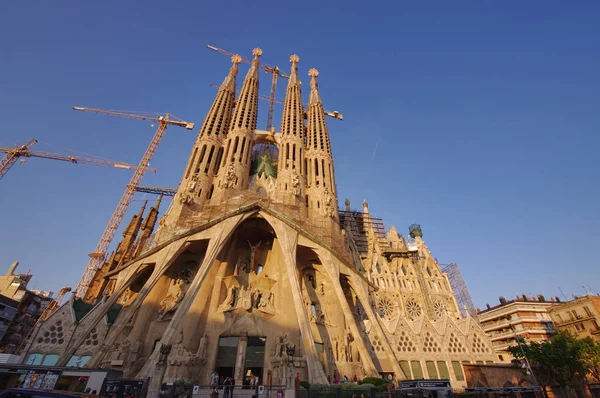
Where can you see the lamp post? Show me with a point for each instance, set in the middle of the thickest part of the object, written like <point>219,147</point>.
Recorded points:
<point>508,318</point>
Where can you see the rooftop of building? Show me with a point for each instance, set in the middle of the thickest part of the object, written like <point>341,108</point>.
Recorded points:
<point>588,298</point>
<point>523,299</point>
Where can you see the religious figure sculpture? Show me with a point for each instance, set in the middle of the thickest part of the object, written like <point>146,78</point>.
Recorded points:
<point>243,266</point>
<point>295,184</point>
<point>253,249</point>
<point>202,353</point>
<point>266,303</point>
<point>172,299</point>
<point>230,176</point>
<point>229,299</point>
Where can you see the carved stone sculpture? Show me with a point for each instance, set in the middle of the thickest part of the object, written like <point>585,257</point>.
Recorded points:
<point>229,299</point>
<point>174,296</point>
<point>230,176</point>
<point>295,184</point>
<point>243,265</point>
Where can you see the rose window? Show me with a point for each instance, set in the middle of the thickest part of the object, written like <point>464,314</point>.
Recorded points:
<point>439,309</point>
<point>385,308</point>
<point>413,309</point>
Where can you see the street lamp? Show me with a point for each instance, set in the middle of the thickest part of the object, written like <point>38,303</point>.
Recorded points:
<point>508,318</point>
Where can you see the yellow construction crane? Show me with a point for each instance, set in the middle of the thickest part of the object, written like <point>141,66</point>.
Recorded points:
<point>24,151</point>
<point>334,114</point>
<point>98,256</point>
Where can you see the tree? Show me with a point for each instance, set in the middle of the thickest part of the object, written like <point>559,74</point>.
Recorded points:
<point>591,357</point>
<point>560,359</point>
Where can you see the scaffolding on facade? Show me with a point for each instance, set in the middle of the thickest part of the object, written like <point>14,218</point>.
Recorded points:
<point>459,287</point>
<point>360,224</point>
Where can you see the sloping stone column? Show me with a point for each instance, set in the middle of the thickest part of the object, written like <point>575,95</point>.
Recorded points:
<point>288,239</point>
<point>220,235</point>
<point>364,299</point>
<point>333,269</point>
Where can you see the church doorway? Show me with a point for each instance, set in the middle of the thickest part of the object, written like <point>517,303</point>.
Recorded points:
<point>255,361</point>
<point>226,356</point>
<point>243,359</point>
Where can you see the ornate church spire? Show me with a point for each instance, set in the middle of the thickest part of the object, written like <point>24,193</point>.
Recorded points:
<point>235,163</point>
<point>321,191</point>
<point>291,167</point>
<point>197,183</point>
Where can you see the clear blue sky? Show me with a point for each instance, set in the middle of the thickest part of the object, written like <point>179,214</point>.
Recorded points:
<point>478,120</point>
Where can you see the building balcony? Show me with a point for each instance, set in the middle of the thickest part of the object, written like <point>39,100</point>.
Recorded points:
<point>579,318</point>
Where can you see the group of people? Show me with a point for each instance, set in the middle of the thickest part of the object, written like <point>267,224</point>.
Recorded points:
<point>337,380</point>
<point>227,383</point>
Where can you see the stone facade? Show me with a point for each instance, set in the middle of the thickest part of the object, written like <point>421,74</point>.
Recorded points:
<point>234,279</point>
<point>525,318</point>
<point>580,316</point>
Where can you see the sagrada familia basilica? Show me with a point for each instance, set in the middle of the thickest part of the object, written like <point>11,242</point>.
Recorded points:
<point>253,257</point>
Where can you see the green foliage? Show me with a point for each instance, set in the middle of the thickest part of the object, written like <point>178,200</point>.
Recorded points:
<point>305,384</point>
<point>376,381</point>
<point>560,359</point>
<point>347,390</point>
<point>591,357</point>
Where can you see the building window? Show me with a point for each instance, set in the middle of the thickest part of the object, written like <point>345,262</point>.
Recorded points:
<point>458,372</point>
<point>431,370</point>
<point>587,311</point>
<point>34,359</point>
<point>558,318</point>
<point>417,370</point>
<point>443,369</point>
<point>50,360</point>
<point>500,357</point>
<point>405,366</point>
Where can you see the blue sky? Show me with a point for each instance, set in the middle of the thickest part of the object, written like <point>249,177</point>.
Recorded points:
<point>478,120</point>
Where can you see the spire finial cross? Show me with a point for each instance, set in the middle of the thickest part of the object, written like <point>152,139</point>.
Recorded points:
<point>236,59</point>
<point>294,59</point>
<point>313,73</point>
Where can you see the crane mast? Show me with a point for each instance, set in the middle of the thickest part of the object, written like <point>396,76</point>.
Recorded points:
<point>11,157</point>
<point>98,256</point>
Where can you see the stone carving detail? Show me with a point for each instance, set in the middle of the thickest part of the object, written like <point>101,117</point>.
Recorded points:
<point>279,350</point>
<point>230,176</point>
<point>253,249</point>
<point>249,299</point>
<point>295,184</point>
<point>185,200</point>
<point>439,309</point>
<point>191,186</point>
<point>243,265</point>
<point>322,288</point>
<point>385,308</point>
<point>413,309</point>
<point>123,353</point>
<point>175,294</point>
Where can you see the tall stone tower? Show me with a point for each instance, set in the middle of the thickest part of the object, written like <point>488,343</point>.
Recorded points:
<point>197,184</point>
<point>249,264</point>
<point>240,139</point>
<point>291,173</point>
<point>321,196</point>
